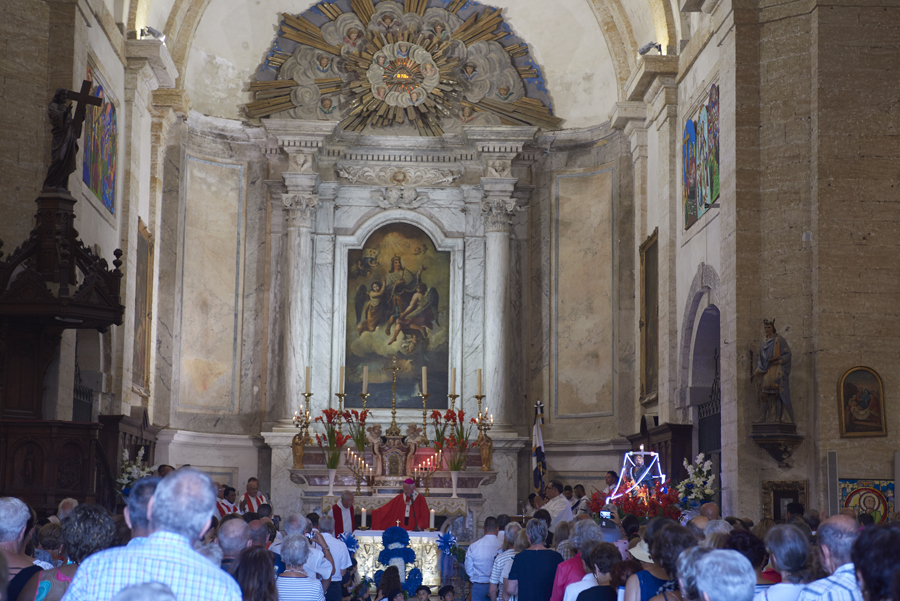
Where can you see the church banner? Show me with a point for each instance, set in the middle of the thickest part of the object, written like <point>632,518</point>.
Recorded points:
<point>398,286</point>
<point>700,159</point>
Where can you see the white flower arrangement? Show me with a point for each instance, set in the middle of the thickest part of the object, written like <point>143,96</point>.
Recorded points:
<point>132,471</point>
<point>698,487</point>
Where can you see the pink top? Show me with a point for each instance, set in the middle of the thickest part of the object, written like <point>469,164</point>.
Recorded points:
<point>569,571</point>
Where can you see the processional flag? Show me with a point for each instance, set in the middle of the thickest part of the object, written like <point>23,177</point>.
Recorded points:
<point>538,462</point>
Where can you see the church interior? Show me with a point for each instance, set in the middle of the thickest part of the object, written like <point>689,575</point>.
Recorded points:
<point>623,224</point>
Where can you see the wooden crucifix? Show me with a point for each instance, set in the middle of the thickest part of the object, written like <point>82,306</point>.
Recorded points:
<point>66,131</point>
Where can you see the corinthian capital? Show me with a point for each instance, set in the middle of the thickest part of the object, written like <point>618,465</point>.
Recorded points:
<point>498,203</point>
<point>301,208</point>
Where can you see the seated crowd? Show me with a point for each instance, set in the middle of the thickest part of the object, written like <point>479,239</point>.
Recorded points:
<point>171,545</point>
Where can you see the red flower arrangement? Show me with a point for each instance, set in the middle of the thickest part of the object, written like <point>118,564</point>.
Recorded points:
<point>356,423</point>
<point>457,441</point>
<point>332,440</point>
<point>643,502</point>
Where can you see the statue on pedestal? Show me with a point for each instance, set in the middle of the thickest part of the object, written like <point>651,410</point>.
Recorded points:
<point>773,369</point>
<point>486,446</point>
<point>297,443</point>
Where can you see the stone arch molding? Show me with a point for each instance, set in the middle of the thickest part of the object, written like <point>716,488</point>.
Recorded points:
<point>442,242</point>
<point>703,294</point>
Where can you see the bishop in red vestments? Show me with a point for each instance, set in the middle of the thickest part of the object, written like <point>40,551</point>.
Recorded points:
<point>409,508</point>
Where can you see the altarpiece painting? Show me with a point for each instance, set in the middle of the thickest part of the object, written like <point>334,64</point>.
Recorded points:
<point>397,290</point>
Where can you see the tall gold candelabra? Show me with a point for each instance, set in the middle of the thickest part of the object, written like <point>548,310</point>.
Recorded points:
<point>425,470</point>
<point>424,441</point>
<point>302,438</point>
<point>340,396</point>
<point>394,429</point>
<point>364,396</point>
<point>453,398</point>
<point>364,473</point>
<point>485,444</point>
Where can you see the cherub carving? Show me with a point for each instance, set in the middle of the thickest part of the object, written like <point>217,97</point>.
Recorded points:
<point>413,434</point>
<point>499,168</point>
<point>374,434</point>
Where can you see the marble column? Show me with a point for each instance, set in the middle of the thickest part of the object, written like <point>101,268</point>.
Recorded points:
<point>300,203</point>
<point>497,207</point>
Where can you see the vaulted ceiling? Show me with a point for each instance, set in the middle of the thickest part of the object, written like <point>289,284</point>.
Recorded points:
<point>587,49</point>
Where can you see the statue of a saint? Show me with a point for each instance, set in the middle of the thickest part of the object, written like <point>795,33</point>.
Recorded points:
<point>64,147</point>
<point>297,447</point>
<point>773,368</point>
<point>487,453</point>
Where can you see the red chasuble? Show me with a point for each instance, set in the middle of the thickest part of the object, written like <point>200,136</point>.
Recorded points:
<point>387,515</point>
<point>338,516</point>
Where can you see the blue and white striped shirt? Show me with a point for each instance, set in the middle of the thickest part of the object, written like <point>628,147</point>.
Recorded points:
<point>163,557</point>
<point>840,586</point>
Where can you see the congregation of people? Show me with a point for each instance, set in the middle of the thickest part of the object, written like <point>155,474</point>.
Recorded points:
<point>183,537</point>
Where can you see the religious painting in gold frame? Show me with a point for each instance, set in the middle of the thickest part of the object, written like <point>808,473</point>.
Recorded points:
<point>776,494</point>
<point>861,407</point>
<point>649,323</point>
<point>143,291</point>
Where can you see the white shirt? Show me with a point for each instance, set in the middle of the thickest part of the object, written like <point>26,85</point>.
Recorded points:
<point>579,506</point>
<point>783,591</point>
<point>316,565</point>
<point>560,511</point>
<point>339,554</point>
<point>298,589</point>
<point>576,588</point>
<point>480,558</point>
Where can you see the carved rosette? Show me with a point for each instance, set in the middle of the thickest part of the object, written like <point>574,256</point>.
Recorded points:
<point>301,208</point>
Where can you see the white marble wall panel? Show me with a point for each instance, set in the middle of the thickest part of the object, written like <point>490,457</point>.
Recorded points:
<point>230,459</point>
<point>322,327</point>
<point>212,279</point>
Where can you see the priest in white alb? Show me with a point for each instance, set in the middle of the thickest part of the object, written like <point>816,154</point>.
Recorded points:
<point>225,502</point>
<point>343,515</point>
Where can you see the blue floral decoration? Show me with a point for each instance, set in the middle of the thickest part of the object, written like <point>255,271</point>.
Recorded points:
<point>377,578</point>
<point>413,581</point>
<point>446,542</point>
<point>404,553</point>
<point>395,534</point>
<point>350,541</point>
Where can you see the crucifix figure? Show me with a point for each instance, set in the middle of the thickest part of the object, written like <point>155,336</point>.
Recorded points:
<point>398,523</point>
<point>66,131</point>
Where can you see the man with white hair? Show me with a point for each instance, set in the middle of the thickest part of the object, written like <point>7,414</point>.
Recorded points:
<point>725,575</point>
<point>180,509</point>
<point>717,526</point>
<point>339,553</point>
<point>14,516</point>
<point>835,536</point>
<point>233,537</point>
<point>319,563</point>
<point>342,512</point>
<point>63,510</point>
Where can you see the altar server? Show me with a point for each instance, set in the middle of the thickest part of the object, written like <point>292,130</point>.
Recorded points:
<point>407,510</point>
<point>226,505</point>
<point>343,515</point>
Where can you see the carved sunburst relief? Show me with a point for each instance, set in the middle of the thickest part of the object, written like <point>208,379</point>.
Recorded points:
<point>422,66</point>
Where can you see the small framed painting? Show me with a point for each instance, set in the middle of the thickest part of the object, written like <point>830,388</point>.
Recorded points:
<point>861,404</point>
<point>776,495</point>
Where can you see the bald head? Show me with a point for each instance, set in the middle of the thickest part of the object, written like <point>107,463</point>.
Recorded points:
<point>697,526</point>
<point>836,536</point>
<point>259,534</point>
<point>710,511</point>
<point>233,536</point>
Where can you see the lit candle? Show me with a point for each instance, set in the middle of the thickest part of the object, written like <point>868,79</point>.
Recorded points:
<point>308,372</point>
<point>479,382</point>
<point>363,517</point>
<point>431,520</point>
<point>492,418</point>
<point>341,383</point>
<point>424,380</point>
<point>365,379</point>
<point>453,380</point>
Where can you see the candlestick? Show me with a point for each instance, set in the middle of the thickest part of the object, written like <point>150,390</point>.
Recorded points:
<point>308,376</point>
<point>363,525</point>
<point>431,520</point>
<point>452,381</point>
<point>365,380</point>
<point>340,397</point>
<point>364,395</point>
<point>393,429</point>
<point>479,382</point>
<point>424,380</point>
<point>425,396</point>
<point>452,398</point>
<point>341,381</point>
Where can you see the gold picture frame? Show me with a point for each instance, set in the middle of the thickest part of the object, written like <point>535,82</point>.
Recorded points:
<point>776,494</point>
<point>861,406</point>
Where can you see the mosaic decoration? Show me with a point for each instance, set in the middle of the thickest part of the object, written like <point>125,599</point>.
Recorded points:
<point>420,67</point>
<point>99,165</point>
<point>869,496</point>
<point>700,160</point>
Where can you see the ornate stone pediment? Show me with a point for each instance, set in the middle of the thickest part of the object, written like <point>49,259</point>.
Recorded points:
<point>389,175</point>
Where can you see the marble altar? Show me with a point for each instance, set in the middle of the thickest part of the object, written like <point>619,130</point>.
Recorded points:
<point>423,543</point>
